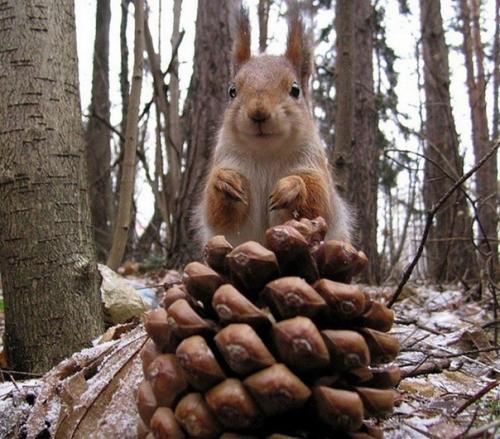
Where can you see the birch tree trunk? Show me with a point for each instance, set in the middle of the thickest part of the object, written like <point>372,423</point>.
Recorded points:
<point>47,259</point>
<point>98,152</point>
<point>450,253</point>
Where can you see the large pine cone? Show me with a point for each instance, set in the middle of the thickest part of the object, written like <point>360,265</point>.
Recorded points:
<point>269,342</point>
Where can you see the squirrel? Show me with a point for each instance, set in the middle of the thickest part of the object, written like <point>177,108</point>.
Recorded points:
<point>269,163</point>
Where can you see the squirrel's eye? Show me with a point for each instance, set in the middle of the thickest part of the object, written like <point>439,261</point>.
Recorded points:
<point>295,90</point>
<point>231,91</point>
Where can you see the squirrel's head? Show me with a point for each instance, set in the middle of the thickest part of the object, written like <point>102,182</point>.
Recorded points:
<point>269,95</point>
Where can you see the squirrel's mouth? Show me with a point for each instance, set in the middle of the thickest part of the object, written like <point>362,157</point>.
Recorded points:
<point>263,134</point>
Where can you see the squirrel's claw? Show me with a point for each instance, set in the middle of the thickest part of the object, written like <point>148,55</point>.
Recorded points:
<point>289,193</point>
<point>229,183</point>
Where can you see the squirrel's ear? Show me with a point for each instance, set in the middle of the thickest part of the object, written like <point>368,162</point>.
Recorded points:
<point>299,46</point>
<point>242,40</point>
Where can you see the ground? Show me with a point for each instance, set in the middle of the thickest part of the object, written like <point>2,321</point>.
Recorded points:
<point>448,355</point>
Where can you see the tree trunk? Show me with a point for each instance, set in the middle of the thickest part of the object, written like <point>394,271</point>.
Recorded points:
<point>47,259</point>
<point>174,128</point>
<point>149,241</point>
<point>124,82</point>
<point>450,253</point>
<point>161,104</point>
<point>486,177</point>
<point>263,13</point>
<point>124,92</point>
<point>340,156</point>
<point>98,152</point>
<point>362,178</point>
<point>496,72</point>
<point>123,216</point>
<point>206,102</point>
<point>355,155</point>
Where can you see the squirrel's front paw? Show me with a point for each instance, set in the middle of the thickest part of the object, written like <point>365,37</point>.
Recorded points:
<point>231,185</point>
<point>289,193</point>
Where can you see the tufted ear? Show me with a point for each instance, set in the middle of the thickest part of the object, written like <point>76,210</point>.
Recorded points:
<point>299,47</point>
<point>242,40</point>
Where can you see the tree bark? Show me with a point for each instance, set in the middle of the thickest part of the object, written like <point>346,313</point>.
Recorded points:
<point>362,179</point>
<point>162,107</point>
<point>450,253</point>
<point>174,129</point>
<point>124,82</point>
<point>340,155</point>
<point>47,259</point>
<point>486,177</point>
<point>206,102</point>
<point>263,13</point>
<point>355,155</point>
<point>98,136</point>
<point>123,215</point>
<point>496,71</point>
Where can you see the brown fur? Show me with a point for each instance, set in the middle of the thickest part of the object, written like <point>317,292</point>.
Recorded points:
<point>269,163</point>
<point>242,41</point>
<point>299,50</point>
<point>228,199</point>
<point>302,195</point>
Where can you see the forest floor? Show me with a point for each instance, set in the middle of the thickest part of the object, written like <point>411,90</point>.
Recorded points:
<point>447,343</point>
<point>448,356</point>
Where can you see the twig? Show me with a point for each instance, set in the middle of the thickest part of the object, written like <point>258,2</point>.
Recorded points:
<point>490,323</point>
<point>417,324</point>
<point>430,218</point>
<point>106,123</point>
<point>175,50</point>
<point>167,71</point>
<point>475,397</point>
<point>17,372</point>
<point>471,423</point>
<point>479,431</point>
<point>425,368</point>
<point>464,354</point>
<point>473,351</point>
<point>419,430</point>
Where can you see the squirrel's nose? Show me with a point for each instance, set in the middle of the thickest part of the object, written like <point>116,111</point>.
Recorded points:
<point>259,116</point>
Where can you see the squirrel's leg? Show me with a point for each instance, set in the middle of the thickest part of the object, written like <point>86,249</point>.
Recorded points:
<point>303,194</point>
<point>227,200</point>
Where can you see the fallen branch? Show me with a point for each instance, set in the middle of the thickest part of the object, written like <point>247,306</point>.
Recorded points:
<point>478,432</point>
<point>425,368</point>
<point>475,397</point>
<point>430,218</point>
<point>473,351</point>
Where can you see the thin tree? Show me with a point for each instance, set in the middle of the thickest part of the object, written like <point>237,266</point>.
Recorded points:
<point>496,72</point>
<point>98,136</point>
<point>123,215</point>
<point>174,129</point>
<point>486,177</point>
<point>450,253</point>
<point>206,101</point>
<point>124,80</point>
<point>263,15</point>
<point>47,259</point>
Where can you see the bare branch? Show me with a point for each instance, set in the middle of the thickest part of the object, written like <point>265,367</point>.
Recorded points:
<point>430,218</point>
